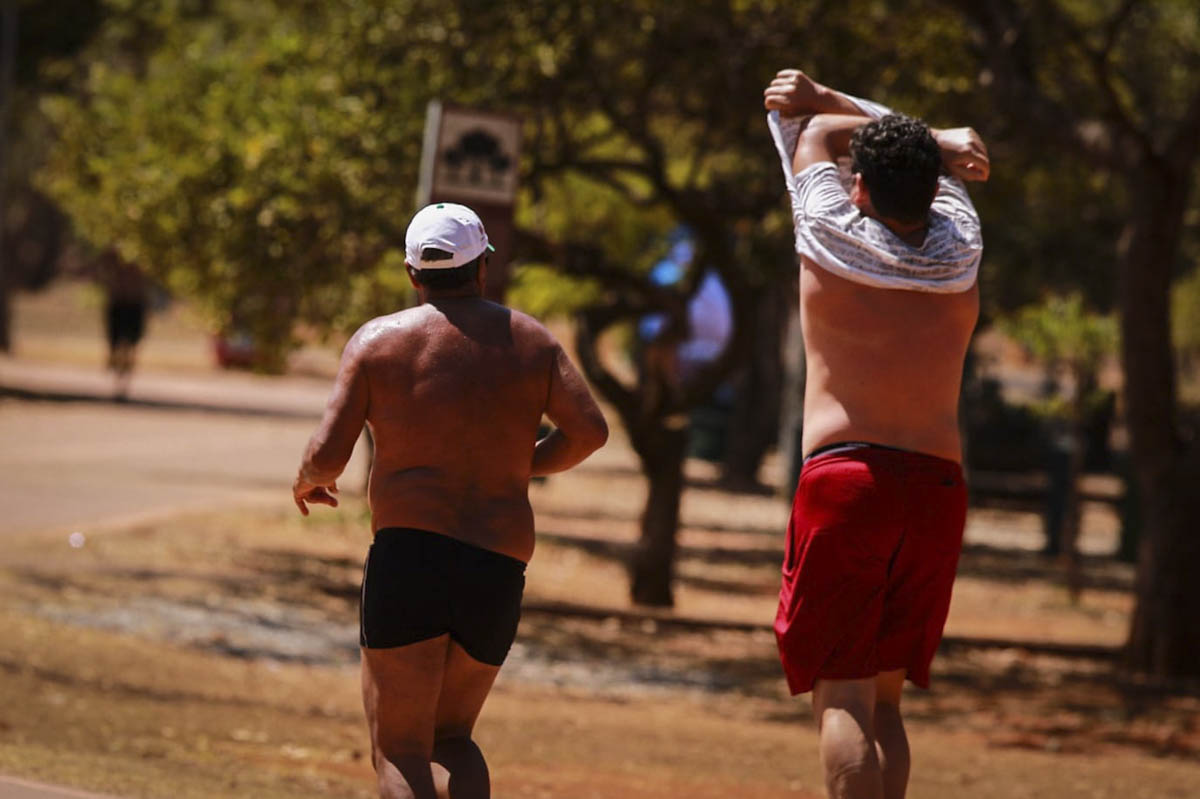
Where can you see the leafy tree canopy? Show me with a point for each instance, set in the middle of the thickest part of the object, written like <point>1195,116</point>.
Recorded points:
<point>261,158</point>
<point>254,160</point>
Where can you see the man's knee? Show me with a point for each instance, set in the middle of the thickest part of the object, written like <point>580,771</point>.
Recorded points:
<point>400,750</point>
<point>856,698</point>
<point>455,746</point>
<point>459,768</point>
<point>845,731</point>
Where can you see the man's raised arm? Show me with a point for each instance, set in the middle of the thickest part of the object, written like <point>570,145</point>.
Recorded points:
<point>835,117</point>
<point>794,94</point>
<point>826,137</point>
<point>331,445</point>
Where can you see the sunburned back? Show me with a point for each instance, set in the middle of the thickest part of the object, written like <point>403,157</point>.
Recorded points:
<point>456,392</point>
<point>883,365</point>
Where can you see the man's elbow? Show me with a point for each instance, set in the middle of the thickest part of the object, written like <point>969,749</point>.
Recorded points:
<point>596,434</point>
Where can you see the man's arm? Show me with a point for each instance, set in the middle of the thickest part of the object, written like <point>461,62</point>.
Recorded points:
<point>794,94</point>
<point>826,137</point>
<point>332,444</point>
<point>964,154</point>
<point>580,428</point>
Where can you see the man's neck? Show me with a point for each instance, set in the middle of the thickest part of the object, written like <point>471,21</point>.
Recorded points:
<point>911,233</point>
<point>465,293</point>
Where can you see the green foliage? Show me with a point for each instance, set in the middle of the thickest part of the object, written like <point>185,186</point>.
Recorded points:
<point>644,115</point>
<point>543,291</point>
<point>255,162</point>
<point>260,158</point>
<point>1061,331</point>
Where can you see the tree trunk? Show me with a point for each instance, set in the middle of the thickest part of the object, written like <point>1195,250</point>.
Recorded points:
<point>5,316</point>
<point>652,563</point>
<point>1162,638</point>
<point>1069,555</point>
<point>754,422</point>
<point>8,54</point>
<point>1163,641</point>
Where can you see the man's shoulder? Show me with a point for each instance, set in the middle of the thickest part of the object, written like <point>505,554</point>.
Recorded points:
<point>382,331</point>
<point>529,325</point>
<point>389,323</point>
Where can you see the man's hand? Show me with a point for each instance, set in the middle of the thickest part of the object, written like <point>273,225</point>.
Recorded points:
<point>793,94</point>
<point>304,491</point>
<point>964,154</point>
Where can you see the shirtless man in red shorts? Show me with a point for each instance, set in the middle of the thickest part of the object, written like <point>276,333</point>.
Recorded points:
<point>889,299</point>
<point>453,391</point>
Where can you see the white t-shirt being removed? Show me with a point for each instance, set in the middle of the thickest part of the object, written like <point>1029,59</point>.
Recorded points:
<point>832,232</point>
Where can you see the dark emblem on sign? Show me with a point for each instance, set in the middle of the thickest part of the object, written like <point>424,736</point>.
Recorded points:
<point>477,160</point>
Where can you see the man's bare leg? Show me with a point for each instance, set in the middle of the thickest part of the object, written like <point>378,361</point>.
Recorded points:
<point>891,743</point>
<point>461,771</point>
<point>845,720</point>
<point>400,687</point>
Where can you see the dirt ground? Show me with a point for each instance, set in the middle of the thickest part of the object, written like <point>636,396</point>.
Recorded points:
<point>215,656</point>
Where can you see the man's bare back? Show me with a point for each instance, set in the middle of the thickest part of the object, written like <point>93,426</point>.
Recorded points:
<point>453,392</point>
<point>883,366</point>
<point>457,390</point>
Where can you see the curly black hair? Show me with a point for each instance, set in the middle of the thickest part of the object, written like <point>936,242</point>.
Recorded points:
<point>899,162</point>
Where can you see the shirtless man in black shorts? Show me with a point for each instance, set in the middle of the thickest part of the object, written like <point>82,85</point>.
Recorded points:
<point>453,392</point>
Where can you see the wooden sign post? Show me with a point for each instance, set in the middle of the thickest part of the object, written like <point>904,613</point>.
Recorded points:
<point>471,157</point>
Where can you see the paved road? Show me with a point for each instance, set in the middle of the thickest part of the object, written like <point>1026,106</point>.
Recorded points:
<point>79,466</point>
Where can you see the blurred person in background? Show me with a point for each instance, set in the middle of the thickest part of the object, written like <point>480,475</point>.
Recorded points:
<point>126,305</point>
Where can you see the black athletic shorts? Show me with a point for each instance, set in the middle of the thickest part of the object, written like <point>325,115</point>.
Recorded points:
<point>418,585</point>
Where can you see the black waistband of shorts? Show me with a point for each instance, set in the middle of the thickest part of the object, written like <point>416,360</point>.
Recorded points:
<point>385,534</point>
<point>910,462</point>
<point>844,446</point>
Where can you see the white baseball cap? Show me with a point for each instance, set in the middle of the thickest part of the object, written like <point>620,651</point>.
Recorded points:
<point>450,227</point>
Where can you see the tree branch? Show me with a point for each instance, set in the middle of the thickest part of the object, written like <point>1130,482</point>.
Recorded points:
<point>590,324</point>
<point>638,295</point>
<point>1113,27</point>
<point>634,127</point>
<point>1099,60</point>
<point>1010,61</point>
<point>1185,142</point>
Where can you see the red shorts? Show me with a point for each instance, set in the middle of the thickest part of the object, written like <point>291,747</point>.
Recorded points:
<point>872,547</point>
